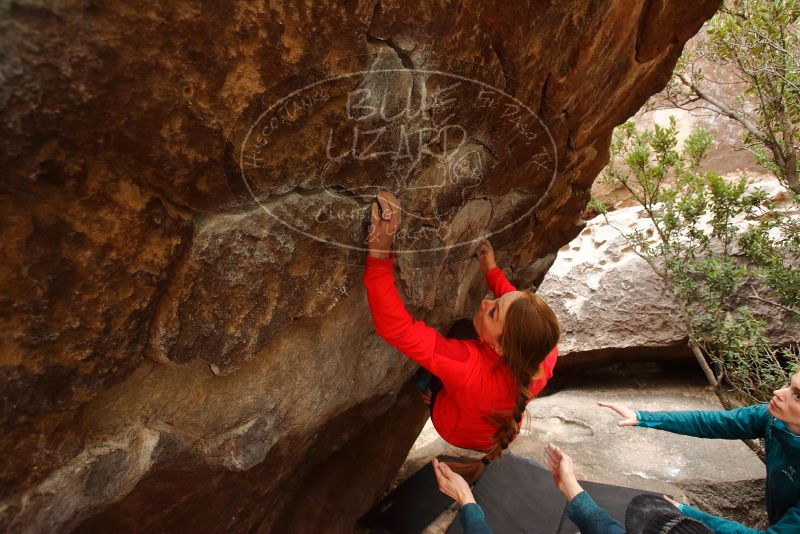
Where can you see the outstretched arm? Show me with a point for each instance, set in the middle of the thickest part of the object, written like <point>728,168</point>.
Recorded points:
<point>749,422</point>
<point>789,523</point>
<point>451,360</point>
<point>494,276</point>
<point>454,486</point>
<point>581,508</point>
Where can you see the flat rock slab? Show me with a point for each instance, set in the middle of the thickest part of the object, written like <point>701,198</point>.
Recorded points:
<point>646,459</point>
<point>637,457</point>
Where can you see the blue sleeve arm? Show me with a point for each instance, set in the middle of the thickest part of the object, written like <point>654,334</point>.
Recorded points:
<point>789,523</point>
<point>590,518</point>
<point>749,422</point>
<point>472,520</point>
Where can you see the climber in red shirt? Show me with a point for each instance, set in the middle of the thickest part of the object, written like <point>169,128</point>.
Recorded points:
<point>486,382</point>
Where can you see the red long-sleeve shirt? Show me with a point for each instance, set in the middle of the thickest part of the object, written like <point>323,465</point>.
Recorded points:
<point>473,385</point>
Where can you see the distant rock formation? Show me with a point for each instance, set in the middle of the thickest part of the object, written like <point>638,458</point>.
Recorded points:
<point>185,343</point>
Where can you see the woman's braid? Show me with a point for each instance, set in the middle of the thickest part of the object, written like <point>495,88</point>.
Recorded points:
<point>509,424</point>
<point>530,333</point>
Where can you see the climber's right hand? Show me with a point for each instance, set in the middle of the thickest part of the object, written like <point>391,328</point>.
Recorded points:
<point>385,218</point>
<point>628,416</point>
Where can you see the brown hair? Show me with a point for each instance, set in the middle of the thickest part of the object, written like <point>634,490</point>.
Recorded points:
<point>531,331</point>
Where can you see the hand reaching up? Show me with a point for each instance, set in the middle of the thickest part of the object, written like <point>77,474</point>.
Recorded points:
<point>385,218</point>
<point>628,416</point>
<point>485,254</point>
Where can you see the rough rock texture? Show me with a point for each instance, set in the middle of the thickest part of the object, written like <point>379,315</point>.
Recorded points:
<point>607,299</point>
<point>744,501</point>
<point>183,205</point>
<point>612,305</point>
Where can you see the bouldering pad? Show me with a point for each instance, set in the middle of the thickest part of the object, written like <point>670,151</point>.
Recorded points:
<point>517,495</point>
<point>410,507</point>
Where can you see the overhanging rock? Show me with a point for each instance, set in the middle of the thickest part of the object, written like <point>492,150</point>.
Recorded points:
<point>183,210</point>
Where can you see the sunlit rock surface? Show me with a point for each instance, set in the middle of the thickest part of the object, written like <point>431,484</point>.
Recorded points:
<point>184,336</point>
<point>608,299</point>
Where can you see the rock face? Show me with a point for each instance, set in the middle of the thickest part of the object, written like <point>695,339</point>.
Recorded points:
<point>744,501</point>
<point>612,305</point>
<point>607,298</point>
<point>183,331</point>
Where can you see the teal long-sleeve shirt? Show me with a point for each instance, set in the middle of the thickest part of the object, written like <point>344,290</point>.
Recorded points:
<point>782,459</point>
<point>472,520</point>
<point>590,518</point>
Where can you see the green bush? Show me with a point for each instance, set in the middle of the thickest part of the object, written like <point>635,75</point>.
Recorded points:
<point>716,243</point>
<point>755,44</point>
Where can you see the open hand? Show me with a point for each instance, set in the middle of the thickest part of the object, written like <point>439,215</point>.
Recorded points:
<point>673,503</point>
<point>628,416</point>
<point>485,254</point>
<point>385,218</point>
<point>452,484</point>
<point>562,468</point>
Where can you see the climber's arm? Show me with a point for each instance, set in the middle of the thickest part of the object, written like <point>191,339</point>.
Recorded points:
<point>498,282</point>
<point>494,276</point>
<point>451,360</point>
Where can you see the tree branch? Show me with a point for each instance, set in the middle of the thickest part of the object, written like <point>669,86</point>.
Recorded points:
<point>725,110</point>
<point>776,304</point>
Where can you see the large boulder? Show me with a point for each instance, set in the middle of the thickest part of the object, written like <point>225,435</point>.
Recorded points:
<point>184,336</point>
<point>613,306</point>
<point>610,303</point>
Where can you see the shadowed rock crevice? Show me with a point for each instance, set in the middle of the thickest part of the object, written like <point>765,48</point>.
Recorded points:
<point>402,55</point>
<point>650,9</point>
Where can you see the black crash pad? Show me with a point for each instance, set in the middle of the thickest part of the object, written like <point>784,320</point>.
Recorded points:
<point>517,496</point>
<point>410,507</point>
